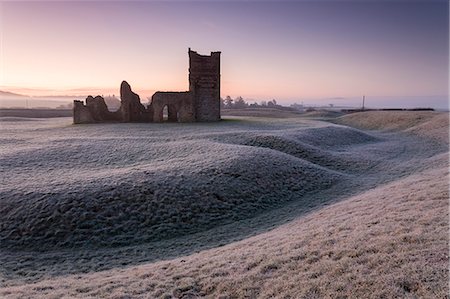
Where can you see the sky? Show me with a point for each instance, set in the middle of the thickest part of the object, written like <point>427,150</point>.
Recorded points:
<point>288,50</point>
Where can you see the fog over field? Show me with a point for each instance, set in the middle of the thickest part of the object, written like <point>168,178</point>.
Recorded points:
<point>179,210</point>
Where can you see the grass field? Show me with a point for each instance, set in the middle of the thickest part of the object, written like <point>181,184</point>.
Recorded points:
<point>251,207</point>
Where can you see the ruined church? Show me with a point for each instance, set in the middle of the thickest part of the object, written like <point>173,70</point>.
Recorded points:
<point>200,103</point>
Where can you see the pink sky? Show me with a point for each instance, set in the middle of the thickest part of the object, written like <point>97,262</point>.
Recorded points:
<point>286,50</point>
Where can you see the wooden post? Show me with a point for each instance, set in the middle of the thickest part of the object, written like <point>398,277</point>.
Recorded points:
<point>364,98</point>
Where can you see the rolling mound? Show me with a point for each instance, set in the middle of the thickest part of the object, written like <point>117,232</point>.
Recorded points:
<point>427,124</point>
<point>152,202</point>
<point>325,146</point>
<point>19,119</point>
<point>262,112</point>
<point>242,208</point>
<point>322,114</point>
<point>390,241</point>
<point>117,190</point>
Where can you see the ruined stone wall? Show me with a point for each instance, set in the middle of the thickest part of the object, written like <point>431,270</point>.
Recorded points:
<point>200,103</point>
<point>81,113</point>
<point>180,106</point>
<point>204,85</point>
<point>131,109</point>
<point>99,110</point>
<point>96,110</point>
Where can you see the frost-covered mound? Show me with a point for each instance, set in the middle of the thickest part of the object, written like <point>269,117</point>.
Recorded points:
<point>434,125</point>
<point>324,146</point>
<point>322,114</point>
<point>119,184</point>
<point>387,242</point>
<point>13,118</point>
<point>261,112</point>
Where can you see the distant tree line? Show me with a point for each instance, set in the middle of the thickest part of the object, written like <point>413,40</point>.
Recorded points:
<point>240,103</point>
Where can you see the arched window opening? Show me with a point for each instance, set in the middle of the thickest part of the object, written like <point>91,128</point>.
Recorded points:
<point>165,113</point>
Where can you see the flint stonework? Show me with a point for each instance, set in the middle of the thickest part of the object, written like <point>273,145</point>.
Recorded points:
<point>200,103</point>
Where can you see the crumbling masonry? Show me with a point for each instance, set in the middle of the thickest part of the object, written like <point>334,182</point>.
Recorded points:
<point>200,103</point>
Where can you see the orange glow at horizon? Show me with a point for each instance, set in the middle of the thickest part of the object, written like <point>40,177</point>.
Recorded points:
<point>305,50</point>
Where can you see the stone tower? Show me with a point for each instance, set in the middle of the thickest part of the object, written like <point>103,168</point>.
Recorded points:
<point>200,103</point>
<point>204,85</point>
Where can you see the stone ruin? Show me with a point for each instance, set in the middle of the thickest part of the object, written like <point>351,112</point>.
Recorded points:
<point>200,103</point>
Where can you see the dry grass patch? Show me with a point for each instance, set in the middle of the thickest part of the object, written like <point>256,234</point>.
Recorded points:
<point>391,241</point>
<point>426,124</point>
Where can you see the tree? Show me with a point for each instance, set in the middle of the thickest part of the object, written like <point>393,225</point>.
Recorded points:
<point>272,103</point>
<point>240,103</point>
<point>228,102</point>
